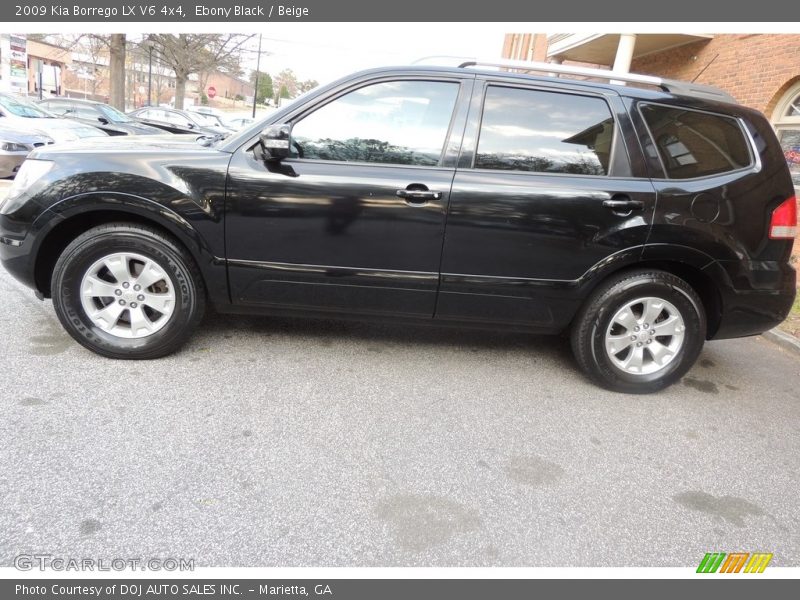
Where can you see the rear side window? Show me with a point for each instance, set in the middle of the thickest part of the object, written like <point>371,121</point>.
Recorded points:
<point>544,132</point>
<point>692,143</point>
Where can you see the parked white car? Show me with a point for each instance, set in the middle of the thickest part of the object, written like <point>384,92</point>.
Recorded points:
<point>15,145</point>
<point>22,113</point>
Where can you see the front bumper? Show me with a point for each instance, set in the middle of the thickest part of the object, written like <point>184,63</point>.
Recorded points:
<point>15,255</point>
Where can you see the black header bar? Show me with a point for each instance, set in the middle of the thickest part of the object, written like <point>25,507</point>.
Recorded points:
<point>235,11</point>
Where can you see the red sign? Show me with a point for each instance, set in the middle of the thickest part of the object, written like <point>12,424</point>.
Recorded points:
<point>212,91</point>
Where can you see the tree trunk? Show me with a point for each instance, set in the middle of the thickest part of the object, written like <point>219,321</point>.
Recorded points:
<point>180,89</point>
<point>117,71</point>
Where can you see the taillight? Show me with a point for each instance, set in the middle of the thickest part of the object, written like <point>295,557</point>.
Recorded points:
<point>783,225</point>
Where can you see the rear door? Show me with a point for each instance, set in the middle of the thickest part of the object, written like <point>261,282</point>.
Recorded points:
<point>544,193</point>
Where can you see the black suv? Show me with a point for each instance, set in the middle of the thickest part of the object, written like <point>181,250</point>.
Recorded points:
<point>642,221</point>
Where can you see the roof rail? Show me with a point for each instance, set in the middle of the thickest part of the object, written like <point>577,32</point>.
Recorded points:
<point>684,88</point>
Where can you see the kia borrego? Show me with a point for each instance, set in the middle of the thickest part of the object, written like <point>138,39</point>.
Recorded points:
<point>639,219</point>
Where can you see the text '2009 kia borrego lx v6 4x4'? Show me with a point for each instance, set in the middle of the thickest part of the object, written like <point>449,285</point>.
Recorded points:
<point>642,221</point>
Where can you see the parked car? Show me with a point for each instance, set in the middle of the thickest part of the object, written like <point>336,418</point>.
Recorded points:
<point>641,221</point>
<point>178,121</point>
<point>205,110</point>
<point>97,114</point>
<point>15,144</point>
<point>213,116</point>
<point>22,113</point>
<point>237,123</point>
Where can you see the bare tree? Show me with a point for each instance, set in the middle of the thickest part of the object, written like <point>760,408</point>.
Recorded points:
<point>116,47</point>
<point>191,53</point>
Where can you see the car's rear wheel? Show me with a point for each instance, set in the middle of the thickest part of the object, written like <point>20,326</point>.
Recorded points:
<point>127,291</point>
<point>639,332</point>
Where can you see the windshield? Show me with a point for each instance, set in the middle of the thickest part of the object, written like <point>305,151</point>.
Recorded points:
<point>113,115</point>
<point>203,119</point>
<point>22,108</point>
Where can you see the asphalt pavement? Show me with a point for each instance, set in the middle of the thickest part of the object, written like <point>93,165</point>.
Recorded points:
<point>276,442</point>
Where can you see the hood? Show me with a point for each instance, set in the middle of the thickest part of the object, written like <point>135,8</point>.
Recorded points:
<point>60,130</point>
<point>66,130</point>
<point>21,136</point>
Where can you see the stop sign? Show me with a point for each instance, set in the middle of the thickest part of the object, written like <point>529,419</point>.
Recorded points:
<point>212,91</point>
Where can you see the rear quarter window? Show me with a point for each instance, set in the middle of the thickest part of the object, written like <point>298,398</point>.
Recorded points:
<point>694,143</point>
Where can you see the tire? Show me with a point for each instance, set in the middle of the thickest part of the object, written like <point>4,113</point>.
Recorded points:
<point>603,332</point>
<point>156,319</point>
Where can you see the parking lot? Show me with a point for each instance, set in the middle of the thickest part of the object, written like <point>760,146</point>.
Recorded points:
<point>279,442</point>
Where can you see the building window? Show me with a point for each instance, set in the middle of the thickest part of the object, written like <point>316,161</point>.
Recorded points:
<point>787,124</point>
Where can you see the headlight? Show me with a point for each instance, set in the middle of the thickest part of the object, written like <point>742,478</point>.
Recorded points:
<point>29,173</point>
<point>14,147</point>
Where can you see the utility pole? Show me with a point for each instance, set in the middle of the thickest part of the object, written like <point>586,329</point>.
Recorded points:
<point>258,66</point>
<point>150,71</point>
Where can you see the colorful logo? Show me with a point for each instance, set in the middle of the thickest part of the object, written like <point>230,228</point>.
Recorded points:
<point>735,562</point>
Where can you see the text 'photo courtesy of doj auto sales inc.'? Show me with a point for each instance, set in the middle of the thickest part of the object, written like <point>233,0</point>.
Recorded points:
<point>170,590</point>
<point>402,300</point>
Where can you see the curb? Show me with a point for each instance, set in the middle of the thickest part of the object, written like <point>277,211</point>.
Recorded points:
<point>784,340</point>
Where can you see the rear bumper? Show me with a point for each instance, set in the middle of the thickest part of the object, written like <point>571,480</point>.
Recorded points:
<point>755,296</point>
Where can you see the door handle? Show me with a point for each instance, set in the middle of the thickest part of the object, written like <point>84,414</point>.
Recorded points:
<point>417,194</point>
<point>623,204</point>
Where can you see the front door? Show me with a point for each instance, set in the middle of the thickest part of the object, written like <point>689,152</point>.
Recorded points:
<point>354,220</point>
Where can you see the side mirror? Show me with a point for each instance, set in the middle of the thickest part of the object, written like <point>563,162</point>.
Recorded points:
<point>103,120</point>
<point>276,141</point>
<point>191,125</point>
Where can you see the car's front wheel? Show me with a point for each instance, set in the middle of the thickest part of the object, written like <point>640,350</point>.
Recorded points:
<point>125,290</point>
<point>639,332</point>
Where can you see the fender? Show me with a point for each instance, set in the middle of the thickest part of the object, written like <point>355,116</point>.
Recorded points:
<point>212,266</point>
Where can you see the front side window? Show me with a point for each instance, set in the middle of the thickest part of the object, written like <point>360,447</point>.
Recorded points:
<point>112,114</point>
<point>692,143</point>
<point>544,132</point>
<point>175,118</point>
<point>394,122</point>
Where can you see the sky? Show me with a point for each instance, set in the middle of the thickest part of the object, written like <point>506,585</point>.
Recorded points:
<point>326,51</point>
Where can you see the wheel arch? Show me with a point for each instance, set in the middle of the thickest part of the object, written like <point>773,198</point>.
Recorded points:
<point>690,265</point>
<point>64,222</point>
